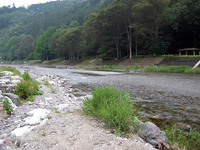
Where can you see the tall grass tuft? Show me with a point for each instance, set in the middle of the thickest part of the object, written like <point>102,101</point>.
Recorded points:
<point>12,69</point>
<point>190,140</point>
<point>28,88</point>
<point>112,106</point>
<point>26,76</point>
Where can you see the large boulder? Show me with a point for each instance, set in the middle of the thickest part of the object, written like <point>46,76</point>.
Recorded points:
<point>152,134</point>
<point>14,98</point>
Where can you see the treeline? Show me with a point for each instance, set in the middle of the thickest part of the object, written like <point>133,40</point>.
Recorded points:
<point>34,20</point>
<point>123,29</point>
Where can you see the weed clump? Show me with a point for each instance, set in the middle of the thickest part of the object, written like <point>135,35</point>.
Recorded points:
<point>189,140</point>
<point>28,88</point>
<point>26,76</point>
<point>112,106</point>
<point>7,105</point>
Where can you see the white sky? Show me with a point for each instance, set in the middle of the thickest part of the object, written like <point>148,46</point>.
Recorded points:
<point>21,2</point>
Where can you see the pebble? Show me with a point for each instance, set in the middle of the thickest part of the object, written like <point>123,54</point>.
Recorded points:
<point>1,142</point>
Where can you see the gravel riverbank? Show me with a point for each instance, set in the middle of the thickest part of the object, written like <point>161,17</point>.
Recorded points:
<point>65,127</point>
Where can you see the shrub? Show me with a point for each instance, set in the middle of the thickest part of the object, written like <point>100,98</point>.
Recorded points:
<point>7,105</point>
<point>184,139</point>
<point>12,69</point>
<point>26,89</point>
<point>112,106</point>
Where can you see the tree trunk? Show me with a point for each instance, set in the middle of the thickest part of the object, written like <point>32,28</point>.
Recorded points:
<point>136,46</point>
<point>130,44</point>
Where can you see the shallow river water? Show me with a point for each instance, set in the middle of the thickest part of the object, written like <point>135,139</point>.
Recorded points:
<point>168,98</point>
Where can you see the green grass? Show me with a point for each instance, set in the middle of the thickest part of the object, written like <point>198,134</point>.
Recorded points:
<point>28,89</point>
<point>170,69</point>
<point>190,140</point>
<point>26,76</point>
<point>12,69</point>
<point>112,106</point>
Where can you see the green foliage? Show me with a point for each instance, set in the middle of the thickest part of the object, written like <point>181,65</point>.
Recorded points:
<point>189,140</point>
<point>12,69</point>
<point>28,89</point>
<point>42,44</point>
<point>7,105</point>
<point>175,69</point>
<point>112,106</point>
<point>26,76</point>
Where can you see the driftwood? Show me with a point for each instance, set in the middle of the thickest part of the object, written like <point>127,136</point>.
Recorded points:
<point>164,146</point>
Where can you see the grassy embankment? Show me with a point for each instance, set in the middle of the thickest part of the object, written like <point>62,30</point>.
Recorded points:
<point>118,111</point>
<point>170,69</point>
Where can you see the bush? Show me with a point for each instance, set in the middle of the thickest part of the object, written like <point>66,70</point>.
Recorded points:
<point>12,69</point>
<point>184,139</point>
<point>112,106</point>
<point>26,89</point>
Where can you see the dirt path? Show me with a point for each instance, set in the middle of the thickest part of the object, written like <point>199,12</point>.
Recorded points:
<point>66,128</point>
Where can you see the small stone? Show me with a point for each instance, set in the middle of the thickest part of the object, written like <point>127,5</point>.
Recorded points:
<point>1,142</point>
<point>53,132</point>
<point>8,148</point>
<point>49,117</point>
<point>22,124</point>
<point>30,103</point>
<point>44,134</point>
<point>7,141</point>
<point>18,143</point>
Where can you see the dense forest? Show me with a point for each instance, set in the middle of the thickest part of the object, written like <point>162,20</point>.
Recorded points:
<point>107,29</point>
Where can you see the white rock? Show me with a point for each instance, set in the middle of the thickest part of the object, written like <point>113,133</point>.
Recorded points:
<point>23,130</point>
<point>62,107</point>
<point>52,82</point>
<point>36,116</point>
<point>47,98</point>
<point>7,73</point>
<point>1,142</point>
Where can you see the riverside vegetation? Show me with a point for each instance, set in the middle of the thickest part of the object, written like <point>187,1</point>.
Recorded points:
<point>119,112</point>
<point>171,69</point>
<point>28,89</point>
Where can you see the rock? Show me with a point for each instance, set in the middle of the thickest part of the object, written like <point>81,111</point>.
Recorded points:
<point>7,73</point>
<point>0,92</point>
<point>15,98</point>
<point>62,107</point>
<point>7,141</point>
<point>183,126</point>
<point>152,134</point>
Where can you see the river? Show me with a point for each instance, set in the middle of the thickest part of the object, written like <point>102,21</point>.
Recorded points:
<point>167,97</point>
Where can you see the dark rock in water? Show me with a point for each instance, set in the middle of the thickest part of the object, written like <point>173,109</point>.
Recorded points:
<point>15,98</point>
<point>184,127</point>
<point>152,134</point>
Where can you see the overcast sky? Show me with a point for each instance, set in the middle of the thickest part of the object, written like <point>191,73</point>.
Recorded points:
<point>21,2</point>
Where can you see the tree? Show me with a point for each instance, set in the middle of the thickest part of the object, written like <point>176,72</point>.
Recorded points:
<point>11,46</point>
<point>42,44</point>
<point>25,48</point>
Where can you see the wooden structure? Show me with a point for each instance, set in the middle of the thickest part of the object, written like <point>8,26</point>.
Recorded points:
<point>188,51</point>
